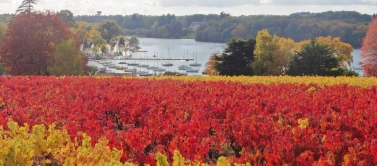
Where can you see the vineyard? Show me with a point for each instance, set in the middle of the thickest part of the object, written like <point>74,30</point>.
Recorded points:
<point>188,120</point>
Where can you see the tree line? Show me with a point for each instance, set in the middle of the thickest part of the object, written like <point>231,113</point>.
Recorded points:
<point>271,55</point>
<point>350,26</point>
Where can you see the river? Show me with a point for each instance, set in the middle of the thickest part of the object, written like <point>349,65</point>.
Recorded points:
<point>187,48</point>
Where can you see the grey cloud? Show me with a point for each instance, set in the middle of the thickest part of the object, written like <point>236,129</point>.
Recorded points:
<point>324,2</point>
<point>208,3</point>
<point>232,3</point>
<point>5,1</point>
<point>149,3</point>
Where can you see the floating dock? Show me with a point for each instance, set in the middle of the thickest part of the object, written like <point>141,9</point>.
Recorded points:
<point>153,59</point>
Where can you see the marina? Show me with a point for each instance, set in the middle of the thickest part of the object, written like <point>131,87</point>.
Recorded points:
<point>182,54</point>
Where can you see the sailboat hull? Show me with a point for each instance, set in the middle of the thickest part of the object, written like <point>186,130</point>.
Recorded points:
<point>167,64</point>
<point>195,64</point>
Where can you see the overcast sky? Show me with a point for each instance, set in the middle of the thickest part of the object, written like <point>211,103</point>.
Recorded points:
<point>188,7</point>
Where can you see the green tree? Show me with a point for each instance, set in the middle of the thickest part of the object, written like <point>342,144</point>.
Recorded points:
<point>134,41</point>
<point>236,58</point>
<point>224,15</point>
<point>341,50</point>
<point>67,16</point>
<point>1,70</point>
<point>3,29</point>
<point>263,53</point>
<point>175,28</point>
<point>67,60</point>
<point>272,54</point>
<point>163,32</point>
<point>26,6</point>
<point>122,41</point>
<point>109,29</point>
<point>281,55</point>
<point>315,59</point>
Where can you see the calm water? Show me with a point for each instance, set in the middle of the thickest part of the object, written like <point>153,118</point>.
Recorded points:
<point>175,49</point>
<point>187,48</point>
<point>356,60</point>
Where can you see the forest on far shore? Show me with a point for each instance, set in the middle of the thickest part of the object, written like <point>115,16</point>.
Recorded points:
<point>350,26</point>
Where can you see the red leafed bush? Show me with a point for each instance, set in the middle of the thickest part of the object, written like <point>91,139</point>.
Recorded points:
<point>276,124</point>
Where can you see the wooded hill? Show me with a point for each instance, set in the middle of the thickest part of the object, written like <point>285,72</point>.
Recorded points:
<point>350,26</point>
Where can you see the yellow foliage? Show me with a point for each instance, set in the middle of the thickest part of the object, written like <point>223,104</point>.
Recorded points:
<point>323,138</point>
<point>161,160</point>
<point>20,146</point>
<point>281,55</point>
<point>210,65</point>
<point>346,158</point>
<point>303,123</point>
<point>321,81</point>
<point>178,159</point>
<point>341,50</point>
<point>281,119</point>
<point>222,161</point>
<point>1,102</point>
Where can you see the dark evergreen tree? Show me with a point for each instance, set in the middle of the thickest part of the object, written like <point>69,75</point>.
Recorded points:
<point>26,6</point>
<point>224,15</point>
<point>315,59</point>
<point>236,58</point>
<point>122,41</point>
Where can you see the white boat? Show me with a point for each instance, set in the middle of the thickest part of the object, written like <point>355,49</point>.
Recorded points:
<point>128,70</point>
<point>196,62</point>
<point>141,72</point>
<point>121,68</point>
<point>192,70</point>
<point>133,64</point>
<point>184,67</point>
<point>152,67</point>
<point>104,62</point>
<point>112,66</point>
<point>109,65</point>
<point>109,71</point>
<point>146,74</point>
<point>168,63</point>
<point>143,65</point>
<point>126,54</point>
<point>159,69</point>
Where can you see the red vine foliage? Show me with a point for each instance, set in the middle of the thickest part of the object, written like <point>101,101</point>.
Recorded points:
<point>275,124</point>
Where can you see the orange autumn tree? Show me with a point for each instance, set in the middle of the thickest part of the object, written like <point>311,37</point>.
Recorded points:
<point>30,42</point>
<point>210,65</point>
<point>368,50</point>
